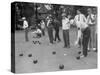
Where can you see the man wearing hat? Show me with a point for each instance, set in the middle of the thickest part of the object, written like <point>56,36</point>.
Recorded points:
<point>84,34</point>
<point>85,40</point>
<point>78,21</point>
<point>65,28</point>
<point>25,27</point>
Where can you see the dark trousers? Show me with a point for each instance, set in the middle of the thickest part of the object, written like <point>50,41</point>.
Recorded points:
<point>26,34</point>
<point>43,32</point>
<point>92,41</point>
<point>57,34</point>
<point>66,38</point>
<point>85,40</point>
<point>50,34</point>
<point>80,42</point>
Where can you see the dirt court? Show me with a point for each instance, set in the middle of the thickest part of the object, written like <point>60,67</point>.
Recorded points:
<point>46,61</point>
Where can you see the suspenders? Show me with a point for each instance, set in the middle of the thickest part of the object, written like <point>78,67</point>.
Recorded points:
<point>80,18</point>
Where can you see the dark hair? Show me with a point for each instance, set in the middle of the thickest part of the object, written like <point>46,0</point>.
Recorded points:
<point>79,10</point>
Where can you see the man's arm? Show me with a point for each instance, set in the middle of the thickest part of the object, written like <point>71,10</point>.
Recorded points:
<point>74,22</point>
<point>48,23</point>
<point>92,18</point>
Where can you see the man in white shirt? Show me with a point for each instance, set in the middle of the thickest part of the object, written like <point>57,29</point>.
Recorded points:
<point>25,23</point>
<point>85,40</point>
<point>43,27</point>
<point>91,21</point>
<point>65,28</point>
<point>25,27</point>
<point>79,20</point>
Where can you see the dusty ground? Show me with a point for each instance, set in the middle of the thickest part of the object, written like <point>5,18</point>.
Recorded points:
<point>46,60</point>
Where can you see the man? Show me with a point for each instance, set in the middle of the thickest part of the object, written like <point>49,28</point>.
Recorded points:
<point>43,27</point>
<point>91,21</point>
<point>25,27</point>
<point>85,40</point>
<point>65,28</point>
<point>50,29</point>
<point>78,20</point>
<point>56,27</point>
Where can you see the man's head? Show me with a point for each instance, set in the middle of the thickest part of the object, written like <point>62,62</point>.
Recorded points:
<point>89,10</point>
<point>63,15</point>
<point>42,20</point>
<point>78,11</point>
<point>69,16</point>
<point>50,16</point>
<point>94,10</point>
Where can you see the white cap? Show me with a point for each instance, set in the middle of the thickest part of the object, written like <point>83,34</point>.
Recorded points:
<point>23,18</point>
<point>63,14</point>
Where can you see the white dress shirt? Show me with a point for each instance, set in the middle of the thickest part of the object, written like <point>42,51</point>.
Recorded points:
<point>80,20</point>
<point>65,24</point>
<point>42,25</point>
<point>81,23</point>
<point>25,24</point>
<point>48,21</point>
<point>91,19</point>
